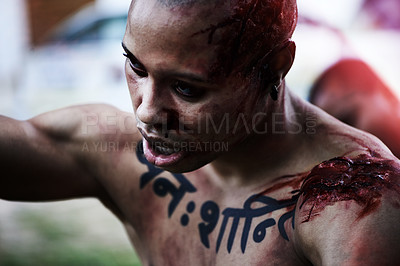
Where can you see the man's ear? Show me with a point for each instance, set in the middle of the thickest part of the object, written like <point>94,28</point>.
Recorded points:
<point>275,69</point>
<point>281,62</point>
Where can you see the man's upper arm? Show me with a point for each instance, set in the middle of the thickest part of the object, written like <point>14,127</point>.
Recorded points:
<point>41,158</point>
<point>338,237</point>
<point>353,221</point>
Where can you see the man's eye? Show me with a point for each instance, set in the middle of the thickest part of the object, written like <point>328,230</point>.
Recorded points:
<point>137,68</point>
<point>187,90</point>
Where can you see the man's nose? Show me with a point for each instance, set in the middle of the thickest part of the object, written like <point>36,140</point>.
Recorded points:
<point>150,109</point>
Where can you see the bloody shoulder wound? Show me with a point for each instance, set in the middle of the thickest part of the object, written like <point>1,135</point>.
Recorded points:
<point>363,180</point>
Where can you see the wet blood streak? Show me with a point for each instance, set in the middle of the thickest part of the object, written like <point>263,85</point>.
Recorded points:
<point>363,180</point>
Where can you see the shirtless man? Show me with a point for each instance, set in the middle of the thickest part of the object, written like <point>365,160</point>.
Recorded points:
<point>226,166</point>
<point>366,101</point>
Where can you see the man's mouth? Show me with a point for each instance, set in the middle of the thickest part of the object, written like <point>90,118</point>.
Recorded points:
<point>160,145</point>
<point>161,152</point>
<point>163,149</point>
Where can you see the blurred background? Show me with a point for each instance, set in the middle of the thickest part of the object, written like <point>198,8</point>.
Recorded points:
<point>331,30</point>
<point>56,53</point>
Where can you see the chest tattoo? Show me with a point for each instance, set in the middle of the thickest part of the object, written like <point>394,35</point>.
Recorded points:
<point>211,214</point>
<point>162,186</point>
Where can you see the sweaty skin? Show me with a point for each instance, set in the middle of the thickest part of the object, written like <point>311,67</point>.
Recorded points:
<point>220,164</point>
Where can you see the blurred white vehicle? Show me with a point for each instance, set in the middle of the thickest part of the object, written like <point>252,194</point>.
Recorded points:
<point>81,63</point>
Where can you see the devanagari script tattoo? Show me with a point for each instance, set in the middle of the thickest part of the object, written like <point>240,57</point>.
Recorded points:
<point>211,214</point>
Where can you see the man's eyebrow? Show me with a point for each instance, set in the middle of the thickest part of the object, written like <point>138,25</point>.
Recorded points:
<point>126,49</point>
<point>188,76</point>
<point>130,55</point>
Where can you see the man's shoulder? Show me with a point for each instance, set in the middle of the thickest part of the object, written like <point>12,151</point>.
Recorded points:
<point>86,122</point>
<point>337,138</point>
<point>352,204</point>
<point>364,179</point>
<point>92,133</point>
<point>104,133</point>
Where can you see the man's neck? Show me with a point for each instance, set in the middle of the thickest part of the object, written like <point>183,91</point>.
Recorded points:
<point>273,144</point>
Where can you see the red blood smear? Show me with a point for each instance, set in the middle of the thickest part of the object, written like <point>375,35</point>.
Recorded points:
<point>363,180</point>
<point>255,25</point>
<point>293,181</point>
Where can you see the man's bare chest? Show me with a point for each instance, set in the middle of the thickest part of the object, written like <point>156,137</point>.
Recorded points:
<point>181,218</point>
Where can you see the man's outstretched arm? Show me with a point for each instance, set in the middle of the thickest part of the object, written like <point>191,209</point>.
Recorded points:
<point>41,158</point>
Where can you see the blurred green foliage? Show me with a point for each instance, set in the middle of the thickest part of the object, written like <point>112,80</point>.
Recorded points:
<point>69,256</point>
<point>51,242</point>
